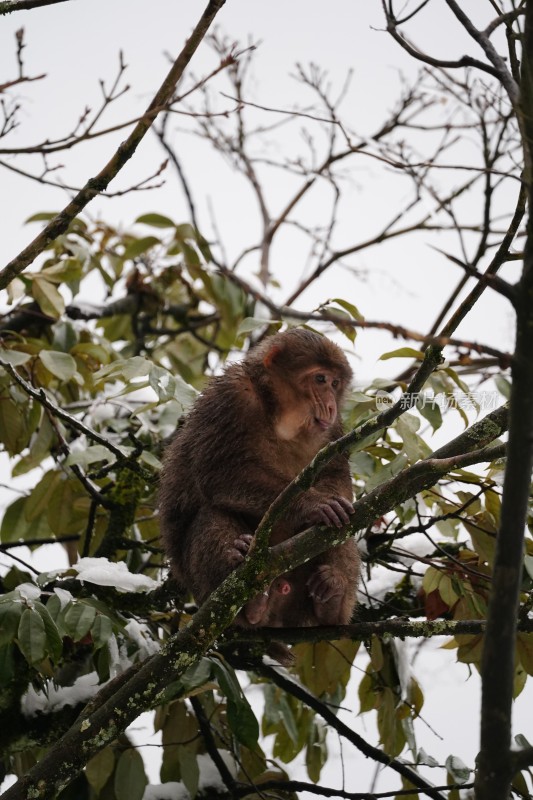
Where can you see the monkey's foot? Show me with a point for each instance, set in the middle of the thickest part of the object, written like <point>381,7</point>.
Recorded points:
<point>327,589</point>
<point>238,551</point>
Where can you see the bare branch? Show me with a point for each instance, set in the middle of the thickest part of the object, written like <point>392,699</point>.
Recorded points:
<point>8,6</point>
<point>100,182</point>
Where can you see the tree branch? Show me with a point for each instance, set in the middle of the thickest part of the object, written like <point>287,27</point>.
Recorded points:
<point>9,6</point>
<point>496,765</point>
<point>400,628</point>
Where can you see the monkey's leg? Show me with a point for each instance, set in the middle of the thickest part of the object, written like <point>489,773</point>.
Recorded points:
<point>216,543</point>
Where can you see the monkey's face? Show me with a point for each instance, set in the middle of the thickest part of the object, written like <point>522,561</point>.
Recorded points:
<point>322,387</point>
<point>312,407</point>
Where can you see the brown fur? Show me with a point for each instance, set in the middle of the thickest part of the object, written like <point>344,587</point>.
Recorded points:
<point>248,435</point>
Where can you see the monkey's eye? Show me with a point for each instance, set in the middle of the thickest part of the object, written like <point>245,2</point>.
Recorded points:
<point>335,383</point>
<point>320,378</point>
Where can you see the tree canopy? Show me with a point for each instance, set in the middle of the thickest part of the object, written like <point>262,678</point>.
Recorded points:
<point>108,333</point>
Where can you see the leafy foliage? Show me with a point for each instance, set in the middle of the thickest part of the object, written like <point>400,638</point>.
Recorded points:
<point>117,379</point>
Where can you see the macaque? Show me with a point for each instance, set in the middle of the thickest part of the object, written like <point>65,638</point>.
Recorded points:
<point>248,435</point>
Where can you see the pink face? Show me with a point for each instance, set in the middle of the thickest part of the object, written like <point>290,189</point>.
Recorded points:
<point>322,387</point>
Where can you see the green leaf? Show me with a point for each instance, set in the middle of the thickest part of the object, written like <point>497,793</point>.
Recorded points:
<point>162,382</point>
<point>503,386</point>
<point>367,695</point>
<point>349,307</point>
<point>317,753</point>
<point>40,446</point>
<point>528,564</point>
<point>522,742</point>
<point>484,544</point>
<point>63,516</point>
<point>457,769</point>
<point>62,365</point>
<point>78,620</point>
<point>54,643</point>
<point>128,369</point>
<point>32,636</point>
<point>241,718</point>
<point>493,504</point>
<point>390,729</point>
<point>377,658</point>
<point>7,664</point>
<point>38,501</point>
<point>10,614</point>
<point>139,246</point>
<point>12,426</point>
<point>524,647</point>
<point>190,772</point>
<point>100,768</point>
<point>243,722</point>
<point>185,231</point>
<point>89,455</point>
<point>191,257</point>
<point>447,592</point>
<point>42,216</point>
<point>156,221</point>
<point>15,525</point>
<point>431,580</point>
<point>403,352</point>
<point>65,271</point>
<point>14,357</point>
<point>130,777</point>
<point>430,410</point>
<point>197,675</point>
<point>250,324</point>
<point>286,715</point>
<point>425,759</point>
<point>48,297</point>
<point>101,631</point>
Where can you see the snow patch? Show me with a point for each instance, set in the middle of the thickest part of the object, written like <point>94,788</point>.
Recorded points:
<point>110,573</point>
<point>28,591</point>
<point>141,635</point>
<point>64,596</point>
<point>58,697</point>
<point>209,778</point>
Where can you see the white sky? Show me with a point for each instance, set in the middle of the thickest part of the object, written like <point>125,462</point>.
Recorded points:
<point>76,43</point>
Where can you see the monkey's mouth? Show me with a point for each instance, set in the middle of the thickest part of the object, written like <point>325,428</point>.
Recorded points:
<point>323,424</point>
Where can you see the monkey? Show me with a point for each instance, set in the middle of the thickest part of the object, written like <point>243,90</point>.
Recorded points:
<point>249,433</point>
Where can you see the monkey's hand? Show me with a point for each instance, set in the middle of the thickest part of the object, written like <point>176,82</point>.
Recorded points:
<point>330,511</point>
<point>327,587</point>
<point>239,550</point>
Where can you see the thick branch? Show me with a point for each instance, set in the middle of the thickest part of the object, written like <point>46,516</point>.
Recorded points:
<point>496,763</point>
<point>401,628</point>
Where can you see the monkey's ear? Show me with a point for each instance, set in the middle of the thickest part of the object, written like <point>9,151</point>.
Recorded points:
<point>271,356</point>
